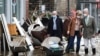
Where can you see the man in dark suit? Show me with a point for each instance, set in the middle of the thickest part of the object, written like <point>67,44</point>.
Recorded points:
<point>55,26</point>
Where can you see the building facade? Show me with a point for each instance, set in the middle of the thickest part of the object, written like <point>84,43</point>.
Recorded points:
<point>94,10</point>
<point>14,8</point>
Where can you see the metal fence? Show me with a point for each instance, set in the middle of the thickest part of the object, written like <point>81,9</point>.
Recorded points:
<point>60,5</point>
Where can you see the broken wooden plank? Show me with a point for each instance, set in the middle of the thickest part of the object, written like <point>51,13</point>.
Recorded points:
<point>23,33</point>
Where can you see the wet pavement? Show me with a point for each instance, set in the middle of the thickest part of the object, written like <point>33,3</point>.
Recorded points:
<point>40,52</point>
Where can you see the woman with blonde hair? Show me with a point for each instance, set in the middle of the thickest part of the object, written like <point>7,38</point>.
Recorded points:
<point>74,29</point>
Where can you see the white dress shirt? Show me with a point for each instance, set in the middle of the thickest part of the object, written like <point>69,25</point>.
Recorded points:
<point>54,23</point>
<point>87,20</point>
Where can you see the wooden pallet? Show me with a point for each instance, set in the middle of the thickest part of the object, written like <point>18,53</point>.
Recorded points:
<point>18,41</point>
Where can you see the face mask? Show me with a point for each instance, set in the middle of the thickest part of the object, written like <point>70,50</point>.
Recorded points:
<point>85,14</point>
<point>78,16</point>
<point>54,16</point>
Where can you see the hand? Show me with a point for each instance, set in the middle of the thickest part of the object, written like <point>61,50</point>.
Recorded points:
<point>81,34</point>
<point>67,32</point>
<point>48,35</point>
<point>93,35</point>
<point>71,17</point>
<point>81,26</point>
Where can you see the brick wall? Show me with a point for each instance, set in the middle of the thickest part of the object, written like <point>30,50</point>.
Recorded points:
<point>61,6</point>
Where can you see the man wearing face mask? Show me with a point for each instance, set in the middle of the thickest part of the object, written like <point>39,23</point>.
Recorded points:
<point>88,23</point>
<point>74,29</point>
<point>55,26</point>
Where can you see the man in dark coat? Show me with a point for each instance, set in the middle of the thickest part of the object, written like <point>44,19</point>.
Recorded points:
<point>55,26</point>
<point>89,27</point>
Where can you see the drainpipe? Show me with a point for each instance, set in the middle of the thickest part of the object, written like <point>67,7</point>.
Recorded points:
<point>8,11</point>
<point>22,11</point>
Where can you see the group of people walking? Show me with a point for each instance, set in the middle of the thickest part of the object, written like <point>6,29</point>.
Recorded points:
<point>82,26</point>
<point>79,24</point>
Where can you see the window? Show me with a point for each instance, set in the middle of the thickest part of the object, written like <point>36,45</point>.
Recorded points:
<point>16,9</point>
<point>1,6</point>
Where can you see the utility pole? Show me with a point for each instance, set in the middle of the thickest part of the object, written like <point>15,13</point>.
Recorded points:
<point>68,3</point>
<point>78,5</point>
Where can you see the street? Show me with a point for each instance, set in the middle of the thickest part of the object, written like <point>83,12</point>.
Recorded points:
<point>40,52</point>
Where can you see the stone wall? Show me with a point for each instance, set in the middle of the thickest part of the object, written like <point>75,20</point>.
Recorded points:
<point>62,6</point>
<point>27,8</point>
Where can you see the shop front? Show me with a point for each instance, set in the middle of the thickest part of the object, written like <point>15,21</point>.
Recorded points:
<point>13,8</point>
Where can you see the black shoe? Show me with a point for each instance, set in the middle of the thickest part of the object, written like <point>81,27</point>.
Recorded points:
<point>93,51</point>
<point>77,54</point>
<point>77,50</point>
<point>60,44</point>
<point>86,51</point>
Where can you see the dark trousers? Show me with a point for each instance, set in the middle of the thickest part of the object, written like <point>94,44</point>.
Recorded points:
<point>71,41</point>
<point>56,34</point>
